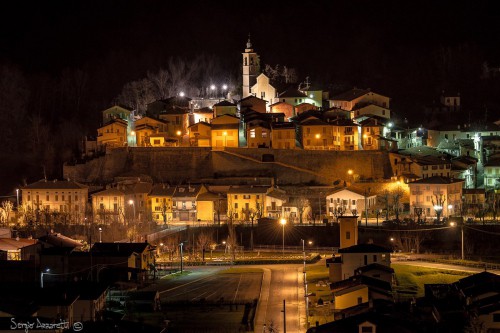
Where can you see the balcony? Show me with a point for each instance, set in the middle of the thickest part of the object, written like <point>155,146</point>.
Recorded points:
<point>276,209</point>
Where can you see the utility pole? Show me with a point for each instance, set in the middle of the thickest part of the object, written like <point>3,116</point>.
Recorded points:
<point>366,206</point>
<point>181,244</point>
<point>284,317</point>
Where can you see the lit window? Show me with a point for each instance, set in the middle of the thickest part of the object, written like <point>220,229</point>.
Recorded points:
<point>252,133</point>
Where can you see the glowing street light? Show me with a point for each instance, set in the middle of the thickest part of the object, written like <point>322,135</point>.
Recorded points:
<point>17,198</point>
<point>454,224</point>
<point>224,87</point>
<point>181,94</point>
<point>283,222</point>
<point>131,203</point>
<point>100,235</point>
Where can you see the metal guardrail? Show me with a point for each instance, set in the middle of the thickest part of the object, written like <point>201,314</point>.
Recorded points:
<point>297,248</point>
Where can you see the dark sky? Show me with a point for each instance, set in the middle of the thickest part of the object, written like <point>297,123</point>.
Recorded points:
<point>50,35</point>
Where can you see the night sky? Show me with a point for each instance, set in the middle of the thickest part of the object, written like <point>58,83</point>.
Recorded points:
<point>408,50</point>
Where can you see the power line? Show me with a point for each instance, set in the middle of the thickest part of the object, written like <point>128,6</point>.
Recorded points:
<point>483,231</point>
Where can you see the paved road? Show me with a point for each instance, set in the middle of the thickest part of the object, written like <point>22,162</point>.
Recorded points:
<point>279,282</point>
<point>443,266</point>
<point>282,282</point>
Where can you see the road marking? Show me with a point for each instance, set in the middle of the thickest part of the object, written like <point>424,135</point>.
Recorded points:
<point>185,284</point>
<point>237,288</point>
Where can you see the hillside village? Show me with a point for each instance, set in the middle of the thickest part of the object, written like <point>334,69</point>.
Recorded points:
<point>294,154</point>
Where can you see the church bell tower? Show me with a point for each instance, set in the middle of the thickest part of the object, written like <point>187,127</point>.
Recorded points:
<point>251,68</point>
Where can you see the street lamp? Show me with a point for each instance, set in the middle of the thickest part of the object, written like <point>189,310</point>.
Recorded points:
<point>100,235</point>
<point>181,244</point>
<point>450,207</point>
<point>17,198</point>
<point>131,203</point>
<point>283,222</point>
<point>41,276</point>
<point>181,94</point>
<point>350,173</point>
<point>453,224</point>
<point>179,138</point>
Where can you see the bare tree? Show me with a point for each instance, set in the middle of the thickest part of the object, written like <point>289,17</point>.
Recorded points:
<point>397,195</point>
<point>385,201</point>
<point>7,208</point>
<point>232,239</point>
<point>204,239</point>
<point>302,204</point>
<point>438,201</point>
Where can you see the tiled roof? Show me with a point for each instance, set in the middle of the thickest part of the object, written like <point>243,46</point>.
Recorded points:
<point>55,185</point>
<point>350,95</point>
<point>224,103</point>
<point>109,191</point>
<point>208,196</point>
<point>283,125</point>
<point>162,190</point>
<point>247,190</point>
<point>187,191</point>
<point>13,244</point>
<point>313,122</point>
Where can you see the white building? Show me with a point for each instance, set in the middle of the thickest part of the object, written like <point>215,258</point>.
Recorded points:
<point>349,201</point>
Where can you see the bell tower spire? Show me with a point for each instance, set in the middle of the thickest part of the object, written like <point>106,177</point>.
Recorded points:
<point>251,68</point>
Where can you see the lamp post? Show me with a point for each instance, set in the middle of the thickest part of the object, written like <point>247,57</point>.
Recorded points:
<point>350,172</point>
<point>41,276</point>
<point>17,198</point>
<point>100,235</point>
<point>181,244</point>
<point>305,283</point>
<point>179,138</point>
<point>366,206</point>
<point>283,222</point>
<point>453,224</point>
<point>131,203</point>
<point>450,207</point>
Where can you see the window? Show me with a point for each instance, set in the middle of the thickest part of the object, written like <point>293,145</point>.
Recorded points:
<point>56,197</point>
<point>308,130</point>
<point>425,167</point>
<point>374,258</point>
<point>246,196</point>
<point>236,205</point>
<point>236,197</point>
<point>252,133</point>
<point>258,197</point>
<point>264,134</point>
<point>47,197</point>
<point>360,300</point>
<point>347,235</point>
<point>353,202</point>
